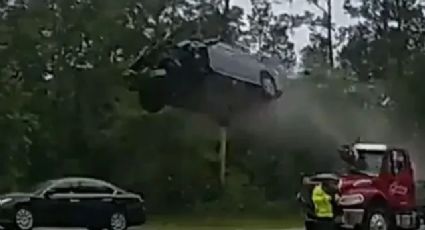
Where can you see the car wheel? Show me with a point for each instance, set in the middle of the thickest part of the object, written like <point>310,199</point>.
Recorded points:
<point>24,219</point>
<point>152,95</point>
<point>268,85</point>
<point>150,104</point>
<point>118,221</point>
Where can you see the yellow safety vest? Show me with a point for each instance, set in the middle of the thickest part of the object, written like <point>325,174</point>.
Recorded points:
<point>322,202</point>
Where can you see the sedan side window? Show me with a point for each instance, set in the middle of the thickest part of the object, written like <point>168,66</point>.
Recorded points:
<point>62,188</point>
<point>88,187</point>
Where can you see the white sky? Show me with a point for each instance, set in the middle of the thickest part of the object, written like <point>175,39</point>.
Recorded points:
<point>300,37</point>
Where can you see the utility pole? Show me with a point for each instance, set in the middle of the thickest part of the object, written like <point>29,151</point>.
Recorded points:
<point>225,21</point>
<point>330,39</point>
<point>223,154</point>
<point>224,123</point>
<point>327,17</point>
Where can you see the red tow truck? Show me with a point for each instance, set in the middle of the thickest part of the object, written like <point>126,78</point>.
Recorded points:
<point>378,191</point>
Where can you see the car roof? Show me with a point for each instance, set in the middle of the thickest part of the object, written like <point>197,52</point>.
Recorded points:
<point>86,179</point>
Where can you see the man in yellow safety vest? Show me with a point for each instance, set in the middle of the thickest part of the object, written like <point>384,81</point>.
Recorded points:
<point>324,196</point>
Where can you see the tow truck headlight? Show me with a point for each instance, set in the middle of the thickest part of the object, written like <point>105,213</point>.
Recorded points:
<point>352,199</point>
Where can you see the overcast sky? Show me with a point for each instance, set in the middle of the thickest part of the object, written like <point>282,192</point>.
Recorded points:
<point>299,6</point>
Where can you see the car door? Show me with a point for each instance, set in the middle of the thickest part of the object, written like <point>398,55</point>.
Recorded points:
<point>54,206</point>
<point>224,59</point>
<point>251,66</point>
<point>96,203</point>
<point>402,188</point>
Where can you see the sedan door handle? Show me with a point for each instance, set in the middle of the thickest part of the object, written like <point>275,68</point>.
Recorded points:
<point>75,200</point>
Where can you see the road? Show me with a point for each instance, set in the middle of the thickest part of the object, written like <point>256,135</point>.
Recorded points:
<point>190,228</point>
<point>180,228</point>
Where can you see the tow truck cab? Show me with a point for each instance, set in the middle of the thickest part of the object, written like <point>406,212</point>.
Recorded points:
<point>378,190</point>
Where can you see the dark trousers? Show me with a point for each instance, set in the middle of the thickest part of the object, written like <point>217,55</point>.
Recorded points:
<point>325,224</point>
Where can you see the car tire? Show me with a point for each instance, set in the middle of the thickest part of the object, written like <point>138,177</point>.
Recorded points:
<point>23,219</point>
<point>118,221</point>
<point>152,95</point>
<point>378,217</point>
<point>150,104</point>
<point>268,86</point>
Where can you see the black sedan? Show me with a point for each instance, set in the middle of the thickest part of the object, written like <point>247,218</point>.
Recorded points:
<point>72,202</point>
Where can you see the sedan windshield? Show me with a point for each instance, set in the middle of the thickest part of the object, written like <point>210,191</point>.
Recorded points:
<point>40,187</point>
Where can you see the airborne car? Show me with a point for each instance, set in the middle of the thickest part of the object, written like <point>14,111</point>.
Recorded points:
<point>192,66</point>
<point>72,202</point>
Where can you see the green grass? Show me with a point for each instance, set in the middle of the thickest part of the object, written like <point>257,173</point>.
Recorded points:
<point>225,223</point>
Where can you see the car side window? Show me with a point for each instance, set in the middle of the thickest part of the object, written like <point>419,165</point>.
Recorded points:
<point>241,48</point>
<point>223,48</point>
<point>89,187</point>
<point>62,188</point>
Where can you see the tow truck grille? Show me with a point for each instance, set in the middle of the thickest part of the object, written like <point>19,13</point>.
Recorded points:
<point>352,217</point>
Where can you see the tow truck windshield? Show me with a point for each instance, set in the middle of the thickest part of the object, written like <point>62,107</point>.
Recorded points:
<point>369,163</point>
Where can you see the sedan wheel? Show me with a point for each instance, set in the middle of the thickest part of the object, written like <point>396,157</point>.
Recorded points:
<point>118,221</point>
<point>269,86</point>
<point>24,219</point>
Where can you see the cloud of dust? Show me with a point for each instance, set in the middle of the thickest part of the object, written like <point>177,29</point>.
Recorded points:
<point>308,116</point>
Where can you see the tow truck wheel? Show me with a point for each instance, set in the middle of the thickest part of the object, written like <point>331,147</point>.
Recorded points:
<point>378,219</point>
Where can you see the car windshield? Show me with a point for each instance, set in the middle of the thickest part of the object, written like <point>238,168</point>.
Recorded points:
<point>38,188</point>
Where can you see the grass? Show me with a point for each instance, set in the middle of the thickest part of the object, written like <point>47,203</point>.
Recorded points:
<point>225,223</point>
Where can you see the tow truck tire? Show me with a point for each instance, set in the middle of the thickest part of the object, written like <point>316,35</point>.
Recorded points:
<point>378,217</point>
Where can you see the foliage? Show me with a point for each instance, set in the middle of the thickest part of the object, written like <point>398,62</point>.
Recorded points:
<point>270,33</point>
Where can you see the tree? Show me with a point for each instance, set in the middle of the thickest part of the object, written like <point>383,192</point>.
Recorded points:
<point>389,26</point>
<point>218,19</point>
<point>259,21</point>
<point>326,22</point>
<point>270,33</point>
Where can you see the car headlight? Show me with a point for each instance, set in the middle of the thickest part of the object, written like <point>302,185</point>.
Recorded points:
<point>353,199</point>
<point>5,201</point>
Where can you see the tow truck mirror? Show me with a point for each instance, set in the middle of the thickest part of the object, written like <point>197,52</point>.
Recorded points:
<point>345,153</point>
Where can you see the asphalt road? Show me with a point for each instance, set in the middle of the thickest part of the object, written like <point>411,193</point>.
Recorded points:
<point>187,228</point>
<point>179,228</point>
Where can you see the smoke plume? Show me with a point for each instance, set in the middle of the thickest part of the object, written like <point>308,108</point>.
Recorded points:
<point>324,118</point>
